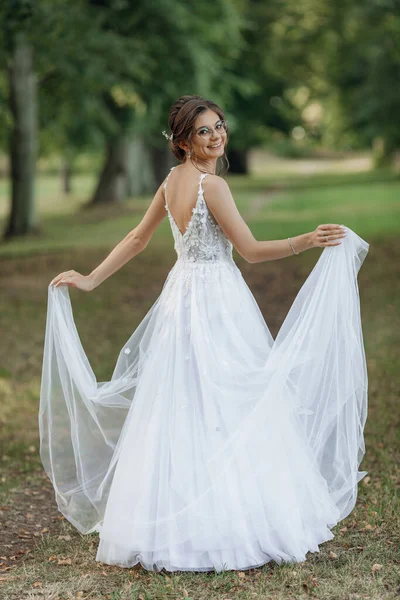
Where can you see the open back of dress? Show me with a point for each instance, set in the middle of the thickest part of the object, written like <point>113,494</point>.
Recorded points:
<point>212,446</point>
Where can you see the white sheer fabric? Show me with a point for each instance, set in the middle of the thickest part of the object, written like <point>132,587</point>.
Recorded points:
<point>212,446</point>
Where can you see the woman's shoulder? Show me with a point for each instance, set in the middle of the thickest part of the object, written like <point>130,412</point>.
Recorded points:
<point>215,182</point>
<point>210,181</point>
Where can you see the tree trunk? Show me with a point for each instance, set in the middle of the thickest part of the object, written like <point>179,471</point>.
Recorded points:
<point>384,151</point>
<point>238,161</point>
<point>112,183</point>
<point>141,178</point>
<point>66,172</point>
<point>162,161</point>
<point>22,144</point>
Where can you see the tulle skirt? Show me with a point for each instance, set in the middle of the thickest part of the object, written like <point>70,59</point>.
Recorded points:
<point>212,446</point>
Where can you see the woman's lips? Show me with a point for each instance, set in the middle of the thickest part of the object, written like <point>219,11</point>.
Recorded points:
<point>215,146</point>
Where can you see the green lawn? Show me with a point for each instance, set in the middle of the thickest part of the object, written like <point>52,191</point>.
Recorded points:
<point>43,556</point>
<point>366,202</point>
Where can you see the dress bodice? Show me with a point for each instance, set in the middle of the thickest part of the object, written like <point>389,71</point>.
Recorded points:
<point>203,241</point>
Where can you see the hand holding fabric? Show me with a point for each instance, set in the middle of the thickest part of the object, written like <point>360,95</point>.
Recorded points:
<point>74,279</point>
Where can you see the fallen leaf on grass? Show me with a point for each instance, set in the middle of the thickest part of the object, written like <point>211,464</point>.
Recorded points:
<point>37,584</point>
<point>343,530</point>
<point>332,555</point>
<point>368,527</point>
<point>185,593</point>
<point>242,575</point>
<point>376,567</point>
<point>64,537</point>
<point>310,583</point>
<point>64,561</point>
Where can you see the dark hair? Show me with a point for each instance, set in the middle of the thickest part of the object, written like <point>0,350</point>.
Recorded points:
<point>181,120</point>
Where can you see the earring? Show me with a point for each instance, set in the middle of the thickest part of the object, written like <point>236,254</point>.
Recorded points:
<point>189,153</point>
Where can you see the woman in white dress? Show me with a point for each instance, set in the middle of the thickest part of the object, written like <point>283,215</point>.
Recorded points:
<point>213,446</point>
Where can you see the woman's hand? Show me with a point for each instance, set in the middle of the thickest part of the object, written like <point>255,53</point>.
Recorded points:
<point>74,279</point>
<point>327,235</point>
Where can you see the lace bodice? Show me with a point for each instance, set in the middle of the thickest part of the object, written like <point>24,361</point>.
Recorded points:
<point>203,241</point>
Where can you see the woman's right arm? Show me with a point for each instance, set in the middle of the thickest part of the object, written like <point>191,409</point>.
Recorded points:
<point>131,245</point>
<point>222,205</point>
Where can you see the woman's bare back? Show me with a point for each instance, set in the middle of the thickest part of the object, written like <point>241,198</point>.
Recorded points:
<point>181,195</point>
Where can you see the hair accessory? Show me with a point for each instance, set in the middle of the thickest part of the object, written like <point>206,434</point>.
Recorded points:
<point>165,134</point>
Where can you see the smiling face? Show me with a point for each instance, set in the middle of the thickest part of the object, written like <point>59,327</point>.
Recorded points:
<point>204,148</point>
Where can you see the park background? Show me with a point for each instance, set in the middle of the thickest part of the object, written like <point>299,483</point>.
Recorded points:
<point>310,89</point>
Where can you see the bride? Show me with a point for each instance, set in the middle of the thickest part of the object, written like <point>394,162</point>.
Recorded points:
<point>213,446</point>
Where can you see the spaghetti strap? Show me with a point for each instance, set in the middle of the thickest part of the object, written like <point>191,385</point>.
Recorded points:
<point>165,186</point>
<point>202,177</point>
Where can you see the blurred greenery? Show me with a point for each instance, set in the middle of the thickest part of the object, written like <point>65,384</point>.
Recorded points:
<point>296,76</point>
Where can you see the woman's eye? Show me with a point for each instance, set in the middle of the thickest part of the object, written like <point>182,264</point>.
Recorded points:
<point>219,125</point>
<point>203,131</point>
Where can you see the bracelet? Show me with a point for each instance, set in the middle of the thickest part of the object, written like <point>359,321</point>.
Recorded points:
<point>291,245</point>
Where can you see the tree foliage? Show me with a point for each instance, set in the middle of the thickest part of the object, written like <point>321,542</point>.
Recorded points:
<point>347,55</point>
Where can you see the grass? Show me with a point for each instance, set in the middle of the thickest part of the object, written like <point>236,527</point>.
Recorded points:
<point>275,208</point>
<point>43,556</point>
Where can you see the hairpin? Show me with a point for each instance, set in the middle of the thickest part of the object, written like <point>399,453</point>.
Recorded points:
<point>165,134</point>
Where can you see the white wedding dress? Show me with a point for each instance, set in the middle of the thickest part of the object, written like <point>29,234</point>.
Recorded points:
<point>212,446</point>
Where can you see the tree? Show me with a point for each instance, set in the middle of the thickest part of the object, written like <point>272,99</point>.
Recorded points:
<point>347,55</point>
<point>374,103</point>
<point>259,85</point>
<point>17,52</point>
<point>187,50</point>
